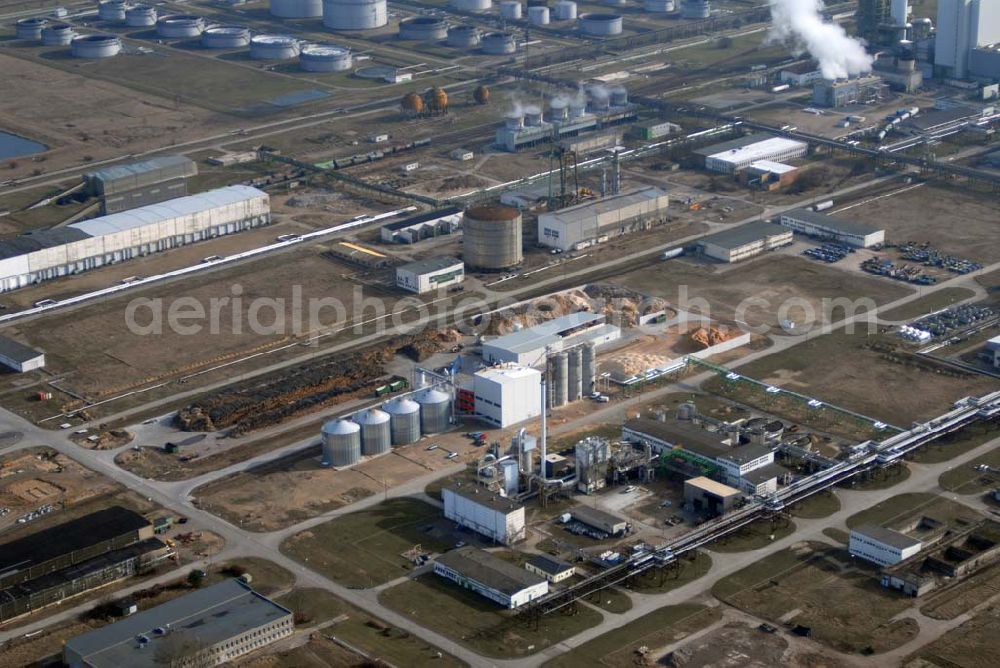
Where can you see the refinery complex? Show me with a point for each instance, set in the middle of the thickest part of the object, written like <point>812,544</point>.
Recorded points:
<point>475,333</point>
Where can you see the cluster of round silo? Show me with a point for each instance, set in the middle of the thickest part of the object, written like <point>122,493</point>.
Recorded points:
<point>140,16</point>
<point>558,379</point>
<point>404,420</point>
<point>423,29</point>
<point>58,34</point>
<point>491,237</point>
<point>538,15</point>
<point>601,25</point>
<point>175,26</point>
<point>471,5</point>
<point>225,37</point>
<point>96,46</point>
<point>575,377</point>
<point>564,10</point>
<point>589,363</point>
<point>376,437</point>
<point>659,6</point>
<point>30,28</point>
<point>464,37</point>
<point>559,109</point>
<point>341,443</point>
<point>498,43</point>
<point>296,9</point>
<point>435,410</point>
<point>355,14</point>
<point>600,99</point>
<point>510,10</point>
<point>273,47</point>
<point>325,58</point>
<point>112,11</point>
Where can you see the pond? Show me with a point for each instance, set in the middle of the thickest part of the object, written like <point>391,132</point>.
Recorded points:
<point>14,146</point>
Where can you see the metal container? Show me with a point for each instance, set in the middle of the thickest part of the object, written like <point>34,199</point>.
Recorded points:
<point>96,46</point>
<point>601,25</point>
<point>560,379</point>
<point>435,410</point>
<point>564,10</point>
<point>404,420</point>
<point>619,97</point>
<point>140,16</point>
<point>112,10</point>
<point>355,14</point>
<point>498,43</point>
<point>659,6</point>
<point>376,437</point>
<point>510,10</point>
<point>274,47</point>
<point>491,237</point>
<point>589,370</point>
<point>575,376</point>
<point>30,28</point>
<point>559,109</point>
<point>179,25</point>
<point>532,116</point>
<point>296,9</point>
<point>696,9</point>
<point>464,37</point>
<point>225,37</point>
<point>510,477</point>
<point>58,34</point>
<point>325,58</point>
<point>471,5</point>
<point>538,16</point>
<point>341,443</point>
<point>423,29</point>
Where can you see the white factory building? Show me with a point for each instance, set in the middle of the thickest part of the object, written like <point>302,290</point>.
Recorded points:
<point>491,577</point>
<point>745,241</point>
<point>599,220</point>
<point>508,394</point>
<point>46,254</point>
<point>528,346</point>
<point>815,224</point>
<point>427,275</point>
<point>487,513</point>
<point>19,357</point>
<point>731,157</point>
<point>962,26</point>
<point>993,351</point>
<point>881,546</point>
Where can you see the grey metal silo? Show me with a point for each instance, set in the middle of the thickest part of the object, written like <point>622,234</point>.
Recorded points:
<point>589,369</point>
<point>341,443</point>
<point>435,410</point>
<point>575,381</point>
<point>560,379</point>
<point>376,438</point>
<point>404,420</point>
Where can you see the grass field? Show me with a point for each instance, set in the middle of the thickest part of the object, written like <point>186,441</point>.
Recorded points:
<point>364,549</point>
<point>902,508</point>
<point>965,479</point>
<point>933,302</point>
<point>616,648</point>
<point>660,582</point>
<point>964,647</point>
<point>972,591</point>
<point>819,505</point>
<point>611,600</point>
<point>266,576</point>
<point>480,624</point>
<point>878,478</point>
<point>754,536</point>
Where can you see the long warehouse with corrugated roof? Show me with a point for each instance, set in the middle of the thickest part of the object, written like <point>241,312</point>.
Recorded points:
<point>47,254</point>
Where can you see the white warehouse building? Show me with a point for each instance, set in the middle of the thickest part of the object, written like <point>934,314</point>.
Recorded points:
<point>426,275</point>
<point>46,254</point>
<point>496,517</point>
<point>528,346</point>
<point>882,546</point>
<point>490,576</point>
<point>815,224</point>
<point>507,395</point>
<point>596,221</point>
<point>731,157</point>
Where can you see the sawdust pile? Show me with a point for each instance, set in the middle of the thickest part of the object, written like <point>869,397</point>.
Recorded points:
<point>712,336</point>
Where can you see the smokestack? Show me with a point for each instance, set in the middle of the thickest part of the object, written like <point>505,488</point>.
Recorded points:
<point>799,23</point>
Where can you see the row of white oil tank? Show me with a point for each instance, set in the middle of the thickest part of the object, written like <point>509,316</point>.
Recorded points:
<point>375,431</point>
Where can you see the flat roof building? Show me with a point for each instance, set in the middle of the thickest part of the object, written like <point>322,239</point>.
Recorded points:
<point>19,357</point>
<point>815,224</point>
<point>491,577</point>
<point>207,627</point>
<point>733,156</point>
<point>993,350</point>
<point>123,187</point>
<point>599,220</point>
<point>552,569</point>
<point>508,394</point>
<point>431,274</point>
<point>881,546</point>
<point>528,346</point>
<point>497,517</point>
<point>706,496</point>
<point>745,241</point>
<point>599,519</point>
<point>426,225</point>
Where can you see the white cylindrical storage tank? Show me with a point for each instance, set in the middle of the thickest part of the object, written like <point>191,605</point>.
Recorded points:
<point>404,420</point>
<point>325,58</point>
<point>619,97</point>
<point>225,37</point>
<point>435,410</point>
<point>273,47</point>
<point>510,9</point>
<point>376,438</point>
<point>589,374</point>
<point>59,34</point>
<point>601,25</point>
<point>471,5</point>
<point>296,9</point>
<point>695,9</point>
<point>423,29</point>
<point>96,46</point>
<point>560,379</point>
<point>538,16</point>
<point>509,475</point>
<point>564,10</point>
<point>341,443</point>
<point>491,237</point>
<point>464,37</point>
<point>575,382</point>
<point>659,6</point>
<point>30,28</point>
<point>355,14</point>
<point>498,43</point>
<point>140,16</point>
<point>175,26</point>
<point>614,3</point>
<point>112,10</point>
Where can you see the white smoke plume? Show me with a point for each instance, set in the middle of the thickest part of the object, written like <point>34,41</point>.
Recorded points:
<point>799,23</point>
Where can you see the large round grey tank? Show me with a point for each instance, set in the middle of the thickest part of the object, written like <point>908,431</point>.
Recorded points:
<point>498,43</point>
<point>435,410</point>
<point>463,37</point>
<point>325,58</point>
<point>96,46</point>
<point>225,37</point>
<point>58,34</point>
<point>376,439</point>
<point>575,374</point>
<point>296,9</point>
<point>175,26</point>
<point>696,9</point>
<point>341,443</point>
<point>659,6</point>
<point>273,47</point>
<point>600,25</point>
<point>140,16</point>
<point>404,420</point>
<point>112,11</point>
<point>491,237</point>
<point>355,14</point>
<point>589,369</point>
<point>30,28</point>
<point>423,29</point>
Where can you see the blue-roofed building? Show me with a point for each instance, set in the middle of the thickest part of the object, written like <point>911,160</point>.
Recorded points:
<point>123,187</point>
<point>528,346</point>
